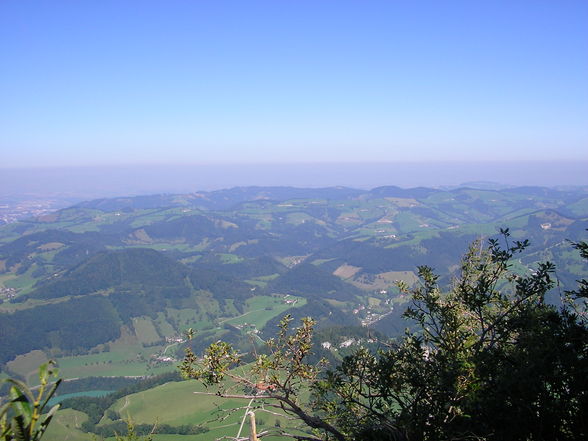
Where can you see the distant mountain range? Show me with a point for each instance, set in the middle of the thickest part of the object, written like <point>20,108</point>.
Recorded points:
<point>85,277</point>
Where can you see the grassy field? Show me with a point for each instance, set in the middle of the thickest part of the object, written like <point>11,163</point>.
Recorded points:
<point>189,318</point>
<point>122,360</point>
<point>416,239</point>
<point>385,280</point>
<point>189,407</point>
<point>120,369</point>
<point>230,258</point>
<point>66,427</point>
<point>27,365</point>
<point>299,218</point>
<point>152,405</point>
<point>346,271</point>
<point>22,282</point>
<point>373,302</point>
<point>145,330</point>
<point>175,404</point>
<point>268,277</point>
<point>257,283</point>
<point>261,309</point>
<point>262,281</point>
<point>163,326</point>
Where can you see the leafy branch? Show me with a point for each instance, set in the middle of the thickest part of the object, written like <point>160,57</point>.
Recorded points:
<point>22,417</point>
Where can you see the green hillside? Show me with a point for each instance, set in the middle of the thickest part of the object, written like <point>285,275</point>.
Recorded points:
<point>126,276</point>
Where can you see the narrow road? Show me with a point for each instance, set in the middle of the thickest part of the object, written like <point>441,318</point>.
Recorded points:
<point>168,346</point>
<point>124,405</point>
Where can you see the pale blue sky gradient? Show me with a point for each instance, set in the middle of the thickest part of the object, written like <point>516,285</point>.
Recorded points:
<point>197,82</point>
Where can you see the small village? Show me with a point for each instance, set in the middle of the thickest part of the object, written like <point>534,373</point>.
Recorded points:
<point>7,293</point>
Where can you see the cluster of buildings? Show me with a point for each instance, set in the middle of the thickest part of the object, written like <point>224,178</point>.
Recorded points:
<point>7,293</point>
<point>346,343</point>
<point>11,212</point>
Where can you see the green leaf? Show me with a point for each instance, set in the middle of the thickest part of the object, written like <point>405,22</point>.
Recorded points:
<point>50,394</point>
<point>22,387</point>
<point>4,409</point>
<point>19,428</point>
<point>43,371</point>
<point>21,404</point>
<point>43,426</point>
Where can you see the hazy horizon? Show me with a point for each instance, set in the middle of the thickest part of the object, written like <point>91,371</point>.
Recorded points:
<point>128,180</point>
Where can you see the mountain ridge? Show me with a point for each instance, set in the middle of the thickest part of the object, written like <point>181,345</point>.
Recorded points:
<point>157,265</point>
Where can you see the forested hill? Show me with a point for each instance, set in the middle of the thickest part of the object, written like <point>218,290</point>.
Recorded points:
<point>89,304</point>
<point>124,269</point>
<point>129,274</point>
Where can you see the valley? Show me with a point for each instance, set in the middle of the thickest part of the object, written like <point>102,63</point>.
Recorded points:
<point>111,287</point>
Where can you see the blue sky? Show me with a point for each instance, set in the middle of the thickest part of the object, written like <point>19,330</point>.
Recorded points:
<point>197,82</point>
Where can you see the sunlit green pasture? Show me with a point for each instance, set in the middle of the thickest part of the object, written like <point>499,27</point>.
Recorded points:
<point>145,331</point>
<point>66,427</point>
<point>261,309</point>
<point>192,404</point>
